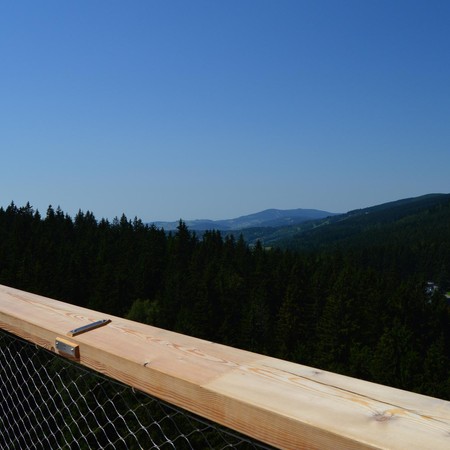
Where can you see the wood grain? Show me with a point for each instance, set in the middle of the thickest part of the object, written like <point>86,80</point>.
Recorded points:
<point>281,403</point>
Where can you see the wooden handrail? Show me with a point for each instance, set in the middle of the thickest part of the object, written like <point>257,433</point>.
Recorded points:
<point>280,403</point>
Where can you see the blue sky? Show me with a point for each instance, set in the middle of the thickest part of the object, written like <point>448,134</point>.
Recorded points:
<point>216,109</point>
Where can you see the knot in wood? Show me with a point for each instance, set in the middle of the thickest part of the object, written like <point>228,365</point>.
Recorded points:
<point>382,416</point>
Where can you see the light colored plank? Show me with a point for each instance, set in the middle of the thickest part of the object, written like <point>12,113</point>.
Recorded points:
<point>281,403</point>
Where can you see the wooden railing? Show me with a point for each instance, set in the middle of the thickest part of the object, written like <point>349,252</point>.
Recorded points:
<point>280,403</point>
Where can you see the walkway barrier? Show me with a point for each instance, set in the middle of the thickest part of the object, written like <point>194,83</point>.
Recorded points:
<point>76,378</point>
<point>49,403</point>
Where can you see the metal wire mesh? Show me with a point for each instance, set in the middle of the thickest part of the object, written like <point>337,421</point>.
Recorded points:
<point>47,402</point>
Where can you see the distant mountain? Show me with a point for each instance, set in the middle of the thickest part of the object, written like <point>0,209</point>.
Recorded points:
<point>341,228</point>
<point>268,218</point>
<point>412,218</point>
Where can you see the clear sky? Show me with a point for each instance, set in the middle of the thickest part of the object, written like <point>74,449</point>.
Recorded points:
<point>216,109</point>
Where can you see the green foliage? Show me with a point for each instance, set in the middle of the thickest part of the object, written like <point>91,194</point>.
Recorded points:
<point>356,305</point>
<point>144,311</point>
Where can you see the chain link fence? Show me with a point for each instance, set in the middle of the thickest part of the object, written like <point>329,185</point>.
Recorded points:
<point>48,402</point>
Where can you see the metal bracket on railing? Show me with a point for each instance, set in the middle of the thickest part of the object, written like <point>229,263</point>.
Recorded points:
<point>88,327</point>
<point>71,349</point>
<point>67,348</point>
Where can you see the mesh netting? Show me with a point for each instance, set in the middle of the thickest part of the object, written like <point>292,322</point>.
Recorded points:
<point>48,402</point>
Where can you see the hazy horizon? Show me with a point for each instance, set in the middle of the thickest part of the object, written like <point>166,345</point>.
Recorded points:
<point>215,110</point>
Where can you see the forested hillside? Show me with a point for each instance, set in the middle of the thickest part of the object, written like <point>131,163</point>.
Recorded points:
<point>408,221</point>
<point>357,308</point>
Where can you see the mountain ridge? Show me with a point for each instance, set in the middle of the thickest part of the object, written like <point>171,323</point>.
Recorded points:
<point>310,228</point>
<point>364,222</point>
<point>271,217</point>
<point>341,226</point>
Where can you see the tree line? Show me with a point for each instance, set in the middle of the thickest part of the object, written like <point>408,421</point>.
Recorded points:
<point>358,310</point>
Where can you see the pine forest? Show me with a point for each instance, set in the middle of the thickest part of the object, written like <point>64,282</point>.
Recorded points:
<point>371,306</point>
